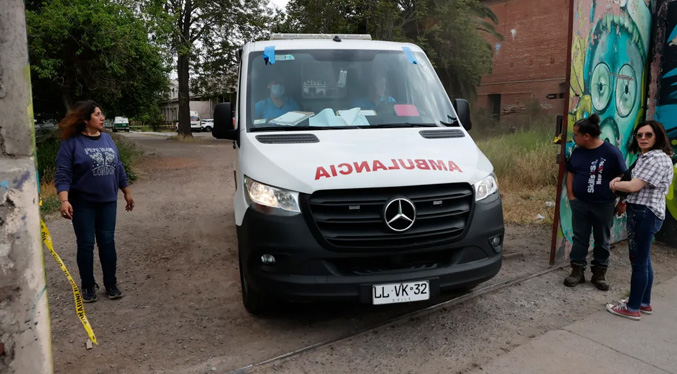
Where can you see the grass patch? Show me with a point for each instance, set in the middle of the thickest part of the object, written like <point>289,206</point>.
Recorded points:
<point>153,129</point>
<point>184,139</point>
<point>524,163</point>
<point>49,198</point>
<point>47,149</point>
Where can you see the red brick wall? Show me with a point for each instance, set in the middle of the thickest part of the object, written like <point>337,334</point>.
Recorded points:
<point>530,62</point>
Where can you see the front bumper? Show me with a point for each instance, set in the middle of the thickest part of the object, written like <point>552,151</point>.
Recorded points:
<point>305,270</point>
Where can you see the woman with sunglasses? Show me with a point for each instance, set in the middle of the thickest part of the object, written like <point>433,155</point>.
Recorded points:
<point>650,181</point>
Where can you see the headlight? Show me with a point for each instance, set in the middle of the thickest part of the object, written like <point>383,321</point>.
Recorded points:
<point>272,197</point>
<point>485,187</point>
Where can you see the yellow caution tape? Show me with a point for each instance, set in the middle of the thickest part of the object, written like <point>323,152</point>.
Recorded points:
<point>79,307</point>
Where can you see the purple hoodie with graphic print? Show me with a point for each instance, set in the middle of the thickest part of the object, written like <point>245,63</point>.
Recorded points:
<point>89,167</point>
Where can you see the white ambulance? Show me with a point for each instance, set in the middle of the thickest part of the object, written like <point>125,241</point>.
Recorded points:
<point>356,178</point>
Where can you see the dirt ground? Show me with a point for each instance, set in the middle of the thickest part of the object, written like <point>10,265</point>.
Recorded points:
<point>182,312</point>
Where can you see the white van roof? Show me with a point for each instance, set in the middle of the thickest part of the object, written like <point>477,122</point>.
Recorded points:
<point>301,44</point>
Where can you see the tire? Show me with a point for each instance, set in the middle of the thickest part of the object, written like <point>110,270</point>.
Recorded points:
<point>208,129</point>
<point>115,130</point>
<point>253,301</point>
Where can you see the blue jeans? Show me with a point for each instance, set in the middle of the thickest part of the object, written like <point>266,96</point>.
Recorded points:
<point>95,221</point>
<point>595,218</point>
<point>642,226</point>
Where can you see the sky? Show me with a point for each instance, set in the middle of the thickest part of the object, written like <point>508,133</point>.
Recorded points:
<point>279,3</point>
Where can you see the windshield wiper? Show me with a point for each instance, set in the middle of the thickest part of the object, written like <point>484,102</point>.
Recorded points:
<point>453,121</point>
<point>395,125</point>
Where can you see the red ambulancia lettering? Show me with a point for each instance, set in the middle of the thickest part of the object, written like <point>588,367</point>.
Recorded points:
<point>364,165</point>
<point>348,169</point>
<point>438,165</point>
<point>411,164</point>
<point>422,164</point>
<point>453,166</point>
<point>378,165</point>
<point>375,165</point>
<point>321,172</point>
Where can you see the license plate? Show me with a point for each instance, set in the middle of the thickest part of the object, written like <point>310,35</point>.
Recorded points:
<point>400,292</point>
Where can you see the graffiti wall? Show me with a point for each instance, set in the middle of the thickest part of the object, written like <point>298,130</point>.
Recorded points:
<point>663,96</point>
<point>609,74</point>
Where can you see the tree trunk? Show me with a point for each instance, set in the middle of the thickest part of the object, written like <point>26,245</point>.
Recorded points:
<point>184,96</point>
<point>183,71</point>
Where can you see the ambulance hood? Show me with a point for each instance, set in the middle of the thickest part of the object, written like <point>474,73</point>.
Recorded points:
<point>361,158</point>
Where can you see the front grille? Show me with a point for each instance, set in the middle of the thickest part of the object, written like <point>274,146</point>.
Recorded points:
<point>353,219</point>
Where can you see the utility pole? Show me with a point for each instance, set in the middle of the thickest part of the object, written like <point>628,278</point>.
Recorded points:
<point>25,339</point>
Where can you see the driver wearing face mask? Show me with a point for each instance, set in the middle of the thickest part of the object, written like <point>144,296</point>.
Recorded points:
<point>275,105</point>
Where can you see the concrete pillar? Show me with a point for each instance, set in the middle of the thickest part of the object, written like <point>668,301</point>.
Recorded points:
<point>25,341</point>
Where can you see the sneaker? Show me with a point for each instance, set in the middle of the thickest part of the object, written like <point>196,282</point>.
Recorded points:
<point>88,295</point>
<point>113,292</point>
<point>644,309</point>
<point>621,309</point>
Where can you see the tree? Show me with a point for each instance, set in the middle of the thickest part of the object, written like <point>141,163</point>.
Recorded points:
<point>96,49</point>
<point>203,35</point>
<point>451,32</point>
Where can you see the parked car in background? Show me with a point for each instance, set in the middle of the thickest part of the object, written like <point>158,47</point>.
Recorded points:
<point>107,124</point>
<point>196,123</point>
<point>121,124</point>
<point>207,124</point>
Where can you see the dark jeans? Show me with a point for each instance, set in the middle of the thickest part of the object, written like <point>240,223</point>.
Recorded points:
<point>90,221</point>
<point>642,226</point>
<point>587,217</point>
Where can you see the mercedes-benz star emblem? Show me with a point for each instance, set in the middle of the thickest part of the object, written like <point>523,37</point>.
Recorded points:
<point>399,214</point>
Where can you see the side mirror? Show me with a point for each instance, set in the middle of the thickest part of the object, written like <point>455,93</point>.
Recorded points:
<point>223,123</point>
<point>462,108</point>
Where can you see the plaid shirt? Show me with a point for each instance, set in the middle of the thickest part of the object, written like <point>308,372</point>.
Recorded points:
<point>655,168</point>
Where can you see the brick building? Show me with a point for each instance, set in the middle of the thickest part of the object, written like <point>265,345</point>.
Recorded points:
<point>530,64</point>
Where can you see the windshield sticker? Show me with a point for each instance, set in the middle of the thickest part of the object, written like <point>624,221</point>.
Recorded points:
<point>406,110</point>
<point>269,54</point>
<point>410,55</point>
<point>393,164</point>
<point>284,57</point>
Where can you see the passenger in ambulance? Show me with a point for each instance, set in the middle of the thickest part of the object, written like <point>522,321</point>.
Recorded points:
<point>277,104</point>
<point>376,97</point>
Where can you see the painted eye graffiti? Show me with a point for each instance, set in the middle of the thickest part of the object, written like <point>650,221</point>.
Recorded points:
<point>626,90</point>
<point>600,87</point>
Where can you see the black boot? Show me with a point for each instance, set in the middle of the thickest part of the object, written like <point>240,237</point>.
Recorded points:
<point>598,280</point>
<point>577,276</point>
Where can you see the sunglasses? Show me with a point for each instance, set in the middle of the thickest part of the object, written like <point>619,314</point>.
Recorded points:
<point>641,135</point>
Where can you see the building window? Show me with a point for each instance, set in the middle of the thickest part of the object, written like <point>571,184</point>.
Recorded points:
<point>495,106</point>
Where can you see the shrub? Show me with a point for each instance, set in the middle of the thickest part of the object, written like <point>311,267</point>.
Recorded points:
<point>524,163</point>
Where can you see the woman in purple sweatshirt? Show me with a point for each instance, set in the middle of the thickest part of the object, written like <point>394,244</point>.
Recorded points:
<point>88,175</point>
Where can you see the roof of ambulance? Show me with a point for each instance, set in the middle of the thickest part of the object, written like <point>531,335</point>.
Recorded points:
<point>305,44</point>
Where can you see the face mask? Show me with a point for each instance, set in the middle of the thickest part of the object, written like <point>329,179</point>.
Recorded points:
<point>277,90</point>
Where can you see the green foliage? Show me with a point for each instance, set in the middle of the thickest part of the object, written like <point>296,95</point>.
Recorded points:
<point>129,154</point>
<point>46,151</point>
<point>218,27</point>
<point>524,159</point>
<point>98,49</point>
<point>451,32</point>
<point>50,204</point>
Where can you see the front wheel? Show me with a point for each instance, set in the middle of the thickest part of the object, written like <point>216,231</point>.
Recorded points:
<point>208,129</point>
<point>253,301</point>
